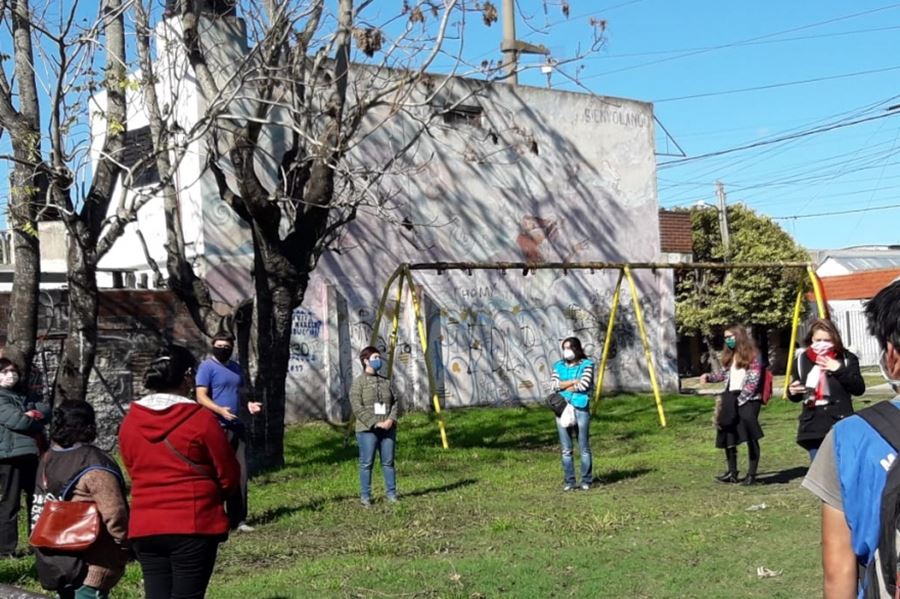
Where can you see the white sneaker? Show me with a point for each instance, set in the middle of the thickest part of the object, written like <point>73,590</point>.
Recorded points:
<point>244,527</point>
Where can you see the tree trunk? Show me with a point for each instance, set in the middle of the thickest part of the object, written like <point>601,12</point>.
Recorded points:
<point>277,288</point>
<point>23,306</point>
<point>80,347</point>
<point>269,342</point>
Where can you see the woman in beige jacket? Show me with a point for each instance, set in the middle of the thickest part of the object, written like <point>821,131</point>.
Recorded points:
<point>75,470</point>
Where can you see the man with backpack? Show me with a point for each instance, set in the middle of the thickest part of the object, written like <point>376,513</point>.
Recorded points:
<point>854,475</point>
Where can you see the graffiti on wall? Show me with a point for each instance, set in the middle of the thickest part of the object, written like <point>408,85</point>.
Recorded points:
<point>501,352</point>
<point>307,348</point>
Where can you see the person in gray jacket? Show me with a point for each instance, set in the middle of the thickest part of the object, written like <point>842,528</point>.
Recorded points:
<point>21,436</point>
<point>375,409</point>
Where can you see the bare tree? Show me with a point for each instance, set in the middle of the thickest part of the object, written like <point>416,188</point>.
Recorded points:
<point>327,82</point>
<point>22,124</point>
<point>69,64</point>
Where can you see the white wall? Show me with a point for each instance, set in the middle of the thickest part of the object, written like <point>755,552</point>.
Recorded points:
<point>543,176</point>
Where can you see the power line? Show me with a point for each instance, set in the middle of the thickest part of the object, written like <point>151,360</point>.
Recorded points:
<point>837,213</point>
<point>781,139</point>
<point>776,85</point>
<point>743,44</point>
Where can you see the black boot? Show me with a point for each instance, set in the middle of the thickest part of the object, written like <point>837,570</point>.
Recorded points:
<point>731,476</point>
<point>753,462</point>
<point>728,477</point>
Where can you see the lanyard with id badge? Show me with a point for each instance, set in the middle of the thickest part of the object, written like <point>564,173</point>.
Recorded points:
<point>380,406</point>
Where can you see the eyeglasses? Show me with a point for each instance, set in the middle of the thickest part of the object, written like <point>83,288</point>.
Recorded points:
<point>9,369</point>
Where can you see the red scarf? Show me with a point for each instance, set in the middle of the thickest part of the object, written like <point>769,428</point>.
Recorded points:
<point>812,355</point>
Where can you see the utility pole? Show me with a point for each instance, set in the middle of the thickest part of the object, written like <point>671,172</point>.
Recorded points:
<point>723,219</point>
<point>511,47</point>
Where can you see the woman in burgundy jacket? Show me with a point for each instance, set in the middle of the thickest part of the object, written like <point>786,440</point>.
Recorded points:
<point>181,469</point>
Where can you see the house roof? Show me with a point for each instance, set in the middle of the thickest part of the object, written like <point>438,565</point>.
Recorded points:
<point>675,234</point>
<point>859,285</point>
<point>861,258</point>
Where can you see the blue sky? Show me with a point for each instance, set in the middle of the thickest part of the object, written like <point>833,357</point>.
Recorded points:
<point>664,50</point>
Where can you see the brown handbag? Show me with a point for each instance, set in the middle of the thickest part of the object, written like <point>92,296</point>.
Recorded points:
<point>66,525</point>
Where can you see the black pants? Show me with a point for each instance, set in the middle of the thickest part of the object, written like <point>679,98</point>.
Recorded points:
<point>176,566</point>
<point>16,477</point>
<point>236,505</point>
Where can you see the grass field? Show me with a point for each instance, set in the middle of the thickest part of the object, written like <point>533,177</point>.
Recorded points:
<point>488,518</point>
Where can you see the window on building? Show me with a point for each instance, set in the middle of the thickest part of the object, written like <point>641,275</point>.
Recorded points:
<point>138,147</point>
<point>463,114</point>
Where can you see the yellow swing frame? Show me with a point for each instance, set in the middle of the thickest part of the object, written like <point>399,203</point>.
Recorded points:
<point>403,276</point>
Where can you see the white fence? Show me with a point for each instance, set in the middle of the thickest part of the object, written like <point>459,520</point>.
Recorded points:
<point>851,322</point>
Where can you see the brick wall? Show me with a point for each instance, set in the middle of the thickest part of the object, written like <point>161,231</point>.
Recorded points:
<point>132,324</point>
<point>675,232</point>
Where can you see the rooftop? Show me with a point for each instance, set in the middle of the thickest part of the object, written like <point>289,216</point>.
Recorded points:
<point>859,285</point>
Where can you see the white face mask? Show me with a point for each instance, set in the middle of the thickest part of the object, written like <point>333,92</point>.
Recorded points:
<point>568,354</point>
<point>822,347</point>
<point>8,379</point>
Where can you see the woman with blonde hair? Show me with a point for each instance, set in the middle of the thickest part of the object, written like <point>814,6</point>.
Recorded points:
<point>738,420</point>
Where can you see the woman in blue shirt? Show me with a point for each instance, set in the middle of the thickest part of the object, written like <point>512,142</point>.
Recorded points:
<point>573,378</point>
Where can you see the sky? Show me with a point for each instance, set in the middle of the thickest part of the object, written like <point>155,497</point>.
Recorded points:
<point>806,84</point>
<point>723,75</point>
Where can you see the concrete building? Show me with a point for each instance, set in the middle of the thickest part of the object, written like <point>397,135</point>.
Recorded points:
<point>507,174</point>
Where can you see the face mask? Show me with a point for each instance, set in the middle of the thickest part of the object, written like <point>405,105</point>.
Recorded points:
<point>375,363</point>
<point>822,347</point>
<point>568,354</point>
<point>731,343</point>
<point>222,353</point>
<point>894,383</point>
<point>9,379</point>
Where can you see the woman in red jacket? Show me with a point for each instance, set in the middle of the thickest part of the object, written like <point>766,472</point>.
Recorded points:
<point>181,469</point>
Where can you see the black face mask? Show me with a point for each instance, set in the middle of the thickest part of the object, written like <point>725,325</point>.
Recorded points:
<point>222,353</point>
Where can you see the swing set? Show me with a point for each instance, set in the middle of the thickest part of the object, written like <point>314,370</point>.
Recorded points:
<point>403,275</point>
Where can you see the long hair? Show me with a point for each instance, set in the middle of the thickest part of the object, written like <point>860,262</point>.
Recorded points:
<point>744,351</point>
<point>824,324</point>
<point>575,346</point>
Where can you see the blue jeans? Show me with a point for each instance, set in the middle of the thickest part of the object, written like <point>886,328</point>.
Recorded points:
<point>812,453</point>
<point>566,439</point>
<point>383,441</point>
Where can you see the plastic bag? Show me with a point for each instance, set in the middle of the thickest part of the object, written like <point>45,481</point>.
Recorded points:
<point>567,418</point>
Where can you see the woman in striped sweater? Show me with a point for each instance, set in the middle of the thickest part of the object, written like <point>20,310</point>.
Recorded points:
<point>738,418</point>
<point>573,378</point>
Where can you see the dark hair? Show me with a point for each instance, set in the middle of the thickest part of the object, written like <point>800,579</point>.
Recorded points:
<point>73,422</point>
<point>223,336</point>
<point>883,314</point>
<point>575,346</point>
<point>167,370</point>
<point>366,352</point>
<point>824,324</point>
<point>4,362</point>
<point>744,350</point>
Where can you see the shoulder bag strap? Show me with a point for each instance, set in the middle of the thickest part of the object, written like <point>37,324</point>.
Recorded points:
<point>194,465</point>
<point>70,486</point>
<point>884,417</point>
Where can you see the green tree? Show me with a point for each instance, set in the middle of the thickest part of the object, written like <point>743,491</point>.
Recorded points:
<point>709,300</point>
